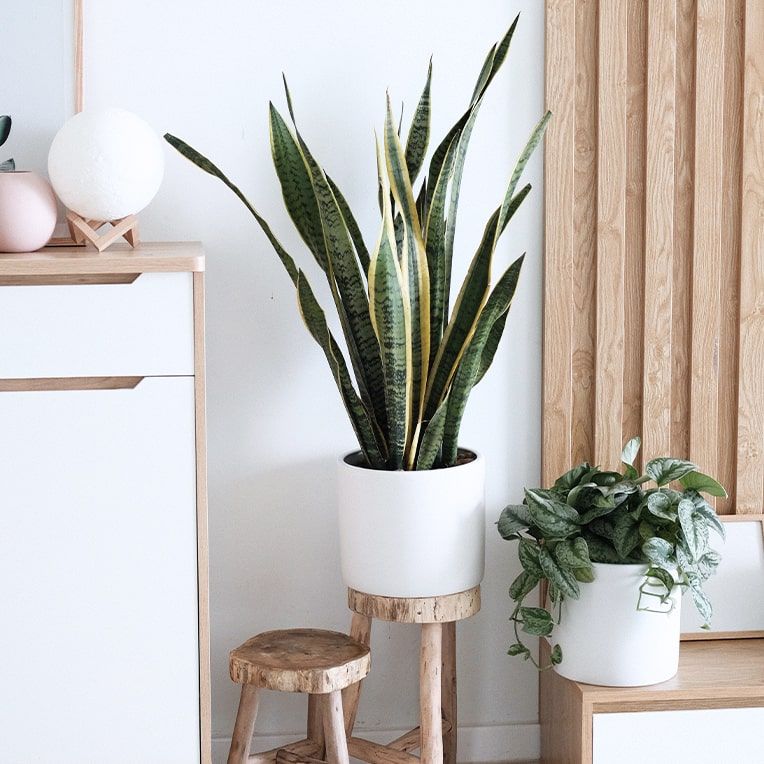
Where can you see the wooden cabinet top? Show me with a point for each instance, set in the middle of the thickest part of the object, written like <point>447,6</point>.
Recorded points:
<point>711,673</point>
<point>149,257</point>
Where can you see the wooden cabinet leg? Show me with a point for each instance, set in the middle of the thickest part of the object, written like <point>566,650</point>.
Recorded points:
<point>360,630</point>
<point>448,692</point>
<point>316,722</point>
<point>334,729</point>
<point>430,694</point>
<point>245,725</point>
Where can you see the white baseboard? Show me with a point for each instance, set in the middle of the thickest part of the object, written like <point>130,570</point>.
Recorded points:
<point>494,743</point>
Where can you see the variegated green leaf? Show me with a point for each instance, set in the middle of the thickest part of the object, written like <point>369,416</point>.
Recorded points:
<point>5,128</point>
<point>432,439</point>
<point>352,225</point>
<point>415,267</point>
<point>509,205</point>
<point>419,132</point>
<point>493,61</point>
<point>387,302</point>
<point>469,365</point>
<point>296,186</point>
<point>350,291</point>
<point>315,320</point>
<point>205,164</point>
<point>460,327</point>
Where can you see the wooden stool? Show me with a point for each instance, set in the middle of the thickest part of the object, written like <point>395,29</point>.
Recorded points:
<point>436,734</point>
<point>318,663</point>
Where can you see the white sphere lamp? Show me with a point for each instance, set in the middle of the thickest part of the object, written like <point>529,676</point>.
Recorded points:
<point>105,165</point>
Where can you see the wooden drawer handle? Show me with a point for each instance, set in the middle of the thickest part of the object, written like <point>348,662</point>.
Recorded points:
<point>69,279</point>
<point>46,384</point>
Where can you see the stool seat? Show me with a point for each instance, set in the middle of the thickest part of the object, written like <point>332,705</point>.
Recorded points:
<point>311,661</point>
<point>444,608</point>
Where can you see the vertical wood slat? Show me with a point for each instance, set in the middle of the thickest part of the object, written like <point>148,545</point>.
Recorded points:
<point>659,227</point>
<point>729,335</point>
<point>634,277</point>
<point>583,293</point>
<point>707,254</point>
<point>684,164</point>
<point>611,234</point>
<point>750,469</point>
<point>559,161</point>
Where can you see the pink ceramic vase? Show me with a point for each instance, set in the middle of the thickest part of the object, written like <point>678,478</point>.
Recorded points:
<point>27,211</point>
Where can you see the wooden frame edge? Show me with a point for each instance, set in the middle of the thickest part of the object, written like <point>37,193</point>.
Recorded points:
<point>202,535</point>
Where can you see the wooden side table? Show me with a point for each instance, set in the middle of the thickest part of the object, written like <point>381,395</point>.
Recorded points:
<point>436,735</point>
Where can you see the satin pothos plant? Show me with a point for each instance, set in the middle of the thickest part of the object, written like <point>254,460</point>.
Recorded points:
<point>414,360</point>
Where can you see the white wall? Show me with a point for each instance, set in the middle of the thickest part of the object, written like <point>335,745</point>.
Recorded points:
<point>205,71</point>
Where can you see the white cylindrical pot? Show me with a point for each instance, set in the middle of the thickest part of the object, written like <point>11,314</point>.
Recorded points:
<point>412,534</point>
<point>611,637</point>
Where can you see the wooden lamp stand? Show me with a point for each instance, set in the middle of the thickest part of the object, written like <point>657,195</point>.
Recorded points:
<point>83,230</point>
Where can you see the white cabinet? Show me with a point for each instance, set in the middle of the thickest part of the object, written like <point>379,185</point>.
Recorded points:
<point>698,736</point>
<point>103,622</point>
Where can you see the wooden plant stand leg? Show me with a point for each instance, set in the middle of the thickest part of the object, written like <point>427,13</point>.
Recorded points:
<point>360,630</point>
<point>448,692</point>
<point>245,725</point>
<point>334,729</point>
<point>316,722</point>
<point>430,694</point>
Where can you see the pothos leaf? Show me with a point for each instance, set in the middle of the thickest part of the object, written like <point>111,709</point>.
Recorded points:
<point>513,519</point>
<point>525,583</point>
<point>630,451</point>
<point>666,469</point>
<point>536,621</point>
<point>563,579</point>
<point>700,482</point>
<point>553,518</point>
<point>694,528</point>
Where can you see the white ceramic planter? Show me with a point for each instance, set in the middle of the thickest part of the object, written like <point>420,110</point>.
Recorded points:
<point>412,534</point>
<point>606,640</point>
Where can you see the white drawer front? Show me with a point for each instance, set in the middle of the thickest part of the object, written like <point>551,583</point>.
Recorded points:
<point>98,576</point>
<point>98,330</point>
<point>709,736</point>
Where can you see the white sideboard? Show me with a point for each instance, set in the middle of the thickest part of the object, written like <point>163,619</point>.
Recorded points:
<point>711,712</point>
<point>104,639</point>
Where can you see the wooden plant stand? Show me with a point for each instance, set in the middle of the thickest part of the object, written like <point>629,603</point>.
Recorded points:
<point>87,230</point>
<point>436,735</point>
<point>311,661</point>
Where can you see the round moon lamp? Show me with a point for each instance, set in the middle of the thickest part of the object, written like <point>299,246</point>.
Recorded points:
<point>106,165</point>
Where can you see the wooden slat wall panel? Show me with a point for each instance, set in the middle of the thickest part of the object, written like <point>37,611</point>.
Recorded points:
<point>655,211</point>
<point>750,487</point>
<point>611,230</point>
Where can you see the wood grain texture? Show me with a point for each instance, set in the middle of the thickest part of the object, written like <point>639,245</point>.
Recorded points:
<point>659,229</point>
<point>750,453</point>
<point>448,607</point>
<point>48,384</point>
<point>334,729</point>
<point>300,660</point>
<point>611,231</point>
<point>707,251</point>
<point>559,168</point>
<point>360,630</point>
<point>448,693</point>
<point>202,533</point>
<point>660,332</point>
<point>430,714</point>
<point>149,257</point>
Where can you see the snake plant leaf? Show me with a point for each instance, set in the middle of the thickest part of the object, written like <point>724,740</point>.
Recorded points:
<point>434,233</point>
<point>419,132</point>
<point>315,320</point>
<point>5,128</point>
<point>415,266</point>
<point>353,228</point>
<point>350,293</point>
<point>389,310</point>
<point>509,197</point>
<point>432,439</point>
<point>205,164</point>
<point>296,186</point>
<point>468,369</point>
<point>460,327</point>
<point>491,346</point>
<point>495,58</point>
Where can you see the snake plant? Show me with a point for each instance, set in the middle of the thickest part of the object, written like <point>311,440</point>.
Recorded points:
<point>414,360</point>
<point>5,130</point>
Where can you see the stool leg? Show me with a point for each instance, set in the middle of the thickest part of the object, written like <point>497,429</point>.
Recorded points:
<point>360,630</point>
<point>245,725</point>
<point>316,722</point>
<point>431,719</point>
<point>334,729</point>
<point>448,690</point>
